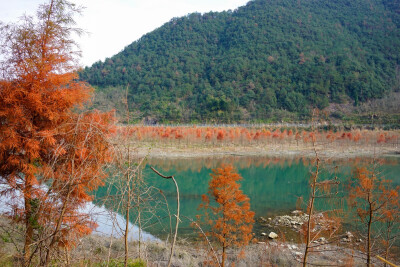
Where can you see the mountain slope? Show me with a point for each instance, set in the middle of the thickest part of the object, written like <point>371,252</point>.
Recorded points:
<point>268,59</point>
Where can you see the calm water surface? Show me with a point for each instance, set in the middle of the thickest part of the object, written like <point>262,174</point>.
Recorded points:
<point>274,185</point>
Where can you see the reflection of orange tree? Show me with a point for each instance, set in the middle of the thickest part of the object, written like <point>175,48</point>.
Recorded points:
<point>377,208</point>
<point>196,164</point>
<point>229,214</point>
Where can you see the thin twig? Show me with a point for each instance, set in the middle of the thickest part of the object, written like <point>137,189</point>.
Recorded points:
<point>177,212</point>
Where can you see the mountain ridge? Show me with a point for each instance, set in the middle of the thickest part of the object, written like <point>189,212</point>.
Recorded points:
<point>266,60</point>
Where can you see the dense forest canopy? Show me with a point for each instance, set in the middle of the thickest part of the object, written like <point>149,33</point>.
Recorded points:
<point>260,62</point>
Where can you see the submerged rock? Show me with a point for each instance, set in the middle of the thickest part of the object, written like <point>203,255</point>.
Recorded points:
<point>273,235</point>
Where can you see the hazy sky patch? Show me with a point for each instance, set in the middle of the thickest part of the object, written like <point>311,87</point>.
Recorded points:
<point>114,24</point>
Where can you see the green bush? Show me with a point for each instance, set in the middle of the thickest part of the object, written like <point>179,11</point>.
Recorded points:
<point>136,263</point>
<point>131,263</point>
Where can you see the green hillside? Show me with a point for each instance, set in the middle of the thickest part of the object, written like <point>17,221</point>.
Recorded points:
<point>268,60</point>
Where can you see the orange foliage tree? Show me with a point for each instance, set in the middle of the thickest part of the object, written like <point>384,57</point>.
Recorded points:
<point>229,213</point>
<point>76,169</point>
<point>376,204</point>
<point>38,90</point>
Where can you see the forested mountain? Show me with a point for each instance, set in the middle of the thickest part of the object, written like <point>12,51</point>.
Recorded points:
<point>267,60</point>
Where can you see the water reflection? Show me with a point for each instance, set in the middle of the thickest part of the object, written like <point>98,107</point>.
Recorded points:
<point>112,224</point>
<point>273,184</point>
<point>242,162</point>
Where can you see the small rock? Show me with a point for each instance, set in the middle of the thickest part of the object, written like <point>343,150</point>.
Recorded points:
<point>272,235</point>
<point>263,219</point>
<point>269,219</point>
<point>349,235</point>
<point>296,212</point>
<point>297,253</point>
<point>263,234</point>
<point>359,240</point>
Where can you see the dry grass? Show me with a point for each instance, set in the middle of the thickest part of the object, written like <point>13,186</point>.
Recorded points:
<point>94,250</point>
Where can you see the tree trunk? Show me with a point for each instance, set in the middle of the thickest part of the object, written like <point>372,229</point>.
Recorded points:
<point>127,230</point>
<point>224,243</point>
<point>128,207</point>
<point>311,210</point>
<point>369,236</point>
<point>59,222</point>
<point>223,255</point>
<point>139,218</point>
<point>28,222</point>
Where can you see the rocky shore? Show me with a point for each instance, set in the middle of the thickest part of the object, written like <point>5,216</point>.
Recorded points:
<point>297,219</point>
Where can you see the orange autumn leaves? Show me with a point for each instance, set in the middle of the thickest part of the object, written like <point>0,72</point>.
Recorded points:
<point>50,155</point>
<point>377,205</point>
<point>228,213</point>
<point>30,112</point>
<point>76,170</point>
<point>40,140</point>
<point>253,135</point>
<point>376,193</point>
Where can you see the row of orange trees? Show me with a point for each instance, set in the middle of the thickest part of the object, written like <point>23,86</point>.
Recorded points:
<point>249,135</point>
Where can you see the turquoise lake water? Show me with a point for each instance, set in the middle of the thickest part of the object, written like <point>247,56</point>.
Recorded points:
<point>274,185</point>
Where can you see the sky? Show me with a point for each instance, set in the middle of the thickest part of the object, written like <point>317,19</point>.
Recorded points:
<point>111,25</point>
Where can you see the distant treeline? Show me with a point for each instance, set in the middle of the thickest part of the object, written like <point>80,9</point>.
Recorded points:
<point>270,60</point>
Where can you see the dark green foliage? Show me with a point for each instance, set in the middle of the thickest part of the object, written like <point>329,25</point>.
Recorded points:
<point>269,55</point>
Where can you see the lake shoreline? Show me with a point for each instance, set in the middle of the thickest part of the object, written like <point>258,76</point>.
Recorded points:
<point>269,151</point>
